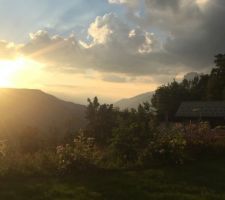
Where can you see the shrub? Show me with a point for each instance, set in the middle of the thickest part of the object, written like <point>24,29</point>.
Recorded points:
<point>3,148</point>
<point>39,163</point>
<point>168,145</point>
<point>82,154</point>
<point>126,145</point>
<point>200,139</point>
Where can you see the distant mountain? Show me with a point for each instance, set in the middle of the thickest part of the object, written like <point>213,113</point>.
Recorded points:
<point>21,108</point>
<point>133,102</point>
<point>191,75</point>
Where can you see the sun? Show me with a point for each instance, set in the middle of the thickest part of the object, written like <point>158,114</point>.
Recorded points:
<point>9,70</point>
<point>22,72</point>
<point>201,2</point>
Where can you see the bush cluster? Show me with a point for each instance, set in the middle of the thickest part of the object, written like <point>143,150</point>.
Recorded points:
<point>38,163</point>
<point>174,144</point>
<point>81,154</point>
<point>168,145</point>
<point>131,138</point>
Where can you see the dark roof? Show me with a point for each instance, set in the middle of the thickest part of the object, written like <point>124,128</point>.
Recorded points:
<point>201,109</point>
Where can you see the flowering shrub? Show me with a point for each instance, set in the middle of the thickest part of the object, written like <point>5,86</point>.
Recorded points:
<point>125,145</point>
<point>82,154</point>
<point>200,138</point>
<point>3,148</point>
<point>167,145</point>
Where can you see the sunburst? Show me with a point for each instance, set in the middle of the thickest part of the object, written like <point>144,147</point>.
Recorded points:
<point>12,70</point>
<point>201,2</point>
<point>8,69</point>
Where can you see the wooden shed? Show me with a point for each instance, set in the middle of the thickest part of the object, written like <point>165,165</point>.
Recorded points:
<point>211,111</point>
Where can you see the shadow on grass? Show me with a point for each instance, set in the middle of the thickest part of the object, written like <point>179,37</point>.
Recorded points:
<point>199,180</point>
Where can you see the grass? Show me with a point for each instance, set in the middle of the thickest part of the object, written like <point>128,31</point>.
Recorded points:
<point>203,180</point>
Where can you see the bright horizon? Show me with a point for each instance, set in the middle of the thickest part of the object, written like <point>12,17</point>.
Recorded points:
<point>24,73</point>
<point>114,49</point>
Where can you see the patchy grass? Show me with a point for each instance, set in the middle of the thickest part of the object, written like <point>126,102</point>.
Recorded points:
<point>203,180</point>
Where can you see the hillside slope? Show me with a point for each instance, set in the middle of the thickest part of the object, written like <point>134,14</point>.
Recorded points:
<point>21,108</point>
<point>133,102</point>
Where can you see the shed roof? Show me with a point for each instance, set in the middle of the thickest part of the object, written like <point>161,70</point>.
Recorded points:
<point>202,109</point>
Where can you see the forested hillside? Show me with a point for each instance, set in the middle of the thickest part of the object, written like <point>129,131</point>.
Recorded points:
<point>23,108</point>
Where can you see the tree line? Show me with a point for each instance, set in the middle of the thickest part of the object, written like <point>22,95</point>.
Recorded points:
<point>205,87</point>
<point>116,138</point>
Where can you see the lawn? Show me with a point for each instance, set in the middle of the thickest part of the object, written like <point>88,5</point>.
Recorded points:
<point>195,181</point>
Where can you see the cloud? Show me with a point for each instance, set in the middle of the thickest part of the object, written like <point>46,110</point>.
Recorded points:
<point>65,54</point>
<point>197,48</point>
<point>171,37</point>
<point>99,30</point>
<point>114,47</point>
<point>114,78</point>
<point>117,1</point>
<point>191,75</point>
<point>191,30</point>
<point>117,47</point>
<point>128,2</point>
<point>8,50</point>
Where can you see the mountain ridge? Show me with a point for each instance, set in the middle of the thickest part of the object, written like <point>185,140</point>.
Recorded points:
<point>21,108</point>
<point>133,102</point>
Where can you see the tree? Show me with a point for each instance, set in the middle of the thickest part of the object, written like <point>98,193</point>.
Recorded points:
<point>168,98</point>
<point>101,120</point>
<point>125,144</point>
<point>198,88</point>
<point>216,83</point>
<point>133,131</point>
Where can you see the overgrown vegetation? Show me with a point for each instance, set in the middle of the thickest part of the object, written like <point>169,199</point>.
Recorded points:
<point>137,138</point>
<point>203,180</point>
<point>207,87</point>
<point>127,139</point>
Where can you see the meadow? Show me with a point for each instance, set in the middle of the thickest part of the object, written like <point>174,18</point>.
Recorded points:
<point>201,180</point>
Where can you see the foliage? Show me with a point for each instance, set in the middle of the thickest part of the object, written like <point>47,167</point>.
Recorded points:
<point>39,163</point>
<point>3,148</point>
<point>168,145</point>
<point>127,138</point>
<point>134,128</point>
<point>201,180</point>
<point>101,120</point>
<point>126,144</point>
<point>202,141</point>
<point>167,99</point>
<point>198,134</point>
<point>216,83</point>
<point>81,155</point>
<point>197,87</point>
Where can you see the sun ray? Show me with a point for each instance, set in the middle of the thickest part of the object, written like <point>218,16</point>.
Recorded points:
<point>201,2</point>
<point>8,68</point>
<point>15,73</point>
<point>46,50</point>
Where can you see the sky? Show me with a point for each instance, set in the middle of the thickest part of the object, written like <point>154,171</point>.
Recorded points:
<point>112,49</point>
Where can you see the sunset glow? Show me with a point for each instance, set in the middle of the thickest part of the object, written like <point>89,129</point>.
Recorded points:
<point>17,72</point>
<point>99,50</point>
<point>202,2</point>
<point>9,69</point>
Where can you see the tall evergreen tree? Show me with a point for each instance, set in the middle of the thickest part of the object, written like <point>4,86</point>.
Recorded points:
<point>216,83</point>
<point>167,99</point>
<point>101,120</point>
